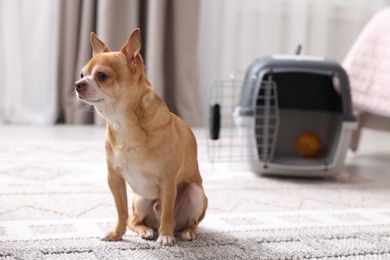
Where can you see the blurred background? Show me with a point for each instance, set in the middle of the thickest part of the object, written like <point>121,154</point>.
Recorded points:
<point>186,45</point>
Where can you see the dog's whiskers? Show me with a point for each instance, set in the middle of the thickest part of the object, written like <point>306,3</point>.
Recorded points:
<point>90,108</point>
<point>73,94</point>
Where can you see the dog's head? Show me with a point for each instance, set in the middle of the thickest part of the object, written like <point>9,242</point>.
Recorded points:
<point>111,78</point>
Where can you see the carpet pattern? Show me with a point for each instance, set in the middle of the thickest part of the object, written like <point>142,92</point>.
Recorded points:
<point>55,204</point>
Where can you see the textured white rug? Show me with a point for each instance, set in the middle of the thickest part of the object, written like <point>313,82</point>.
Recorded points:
<point>55,204</point>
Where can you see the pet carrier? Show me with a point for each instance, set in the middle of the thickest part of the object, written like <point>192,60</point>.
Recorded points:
<point>290,115</point>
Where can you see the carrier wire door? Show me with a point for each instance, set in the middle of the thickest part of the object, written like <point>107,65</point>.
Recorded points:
<point>266,120</point>
<point>236,136</point>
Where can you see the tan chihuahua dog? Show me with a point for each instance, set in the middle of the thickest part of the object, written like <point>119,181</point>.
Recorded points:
<point>146,145</point>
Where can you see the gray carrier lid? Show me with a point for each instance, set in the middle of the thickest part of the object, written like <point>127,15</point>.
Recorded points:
<point>299,66</point>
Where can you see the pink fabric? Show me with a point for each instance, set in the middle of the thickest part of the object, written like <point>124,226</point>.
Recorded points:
<point>368,66</point>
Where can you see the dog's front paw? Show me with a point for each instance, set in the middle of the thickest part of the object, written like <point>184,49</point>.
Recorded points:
<point>166,240</point>
<point>112,236</point>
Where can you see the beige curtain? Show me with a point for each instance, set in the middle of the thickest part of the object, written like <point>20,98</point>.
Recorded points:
<point>169,31</point>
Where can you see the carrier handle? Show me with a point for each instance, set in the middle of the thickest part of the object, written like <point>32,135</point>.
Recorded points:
<point>298,50</point>
<point>215,121</point>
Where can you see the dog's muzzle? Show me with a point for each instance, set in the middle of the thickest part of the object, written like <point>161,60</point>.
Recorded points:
<point>81,86</point>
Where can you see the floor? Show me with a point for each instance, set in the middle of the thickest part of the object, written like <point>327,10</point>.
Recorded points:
<point>371,160</point>
<point>55,203</point>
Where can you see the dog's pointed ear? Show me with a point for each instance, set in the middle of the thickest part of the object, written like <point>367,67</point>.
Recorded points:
<point>133,45</point>
<point>97,45</point>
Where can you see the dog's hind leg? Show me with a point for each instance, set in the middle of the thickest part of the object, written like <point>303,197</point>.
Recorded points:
<point>143,220</point>
<point>190,210</point>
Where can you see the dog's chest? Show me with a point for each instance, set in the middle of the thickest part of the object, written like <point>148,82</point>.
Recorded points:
<point>141,181</point>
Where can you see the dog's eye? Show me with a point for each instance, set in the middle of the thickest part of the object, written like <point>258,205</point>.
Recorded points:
<point>101,76</point>
<point>81,75</point>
